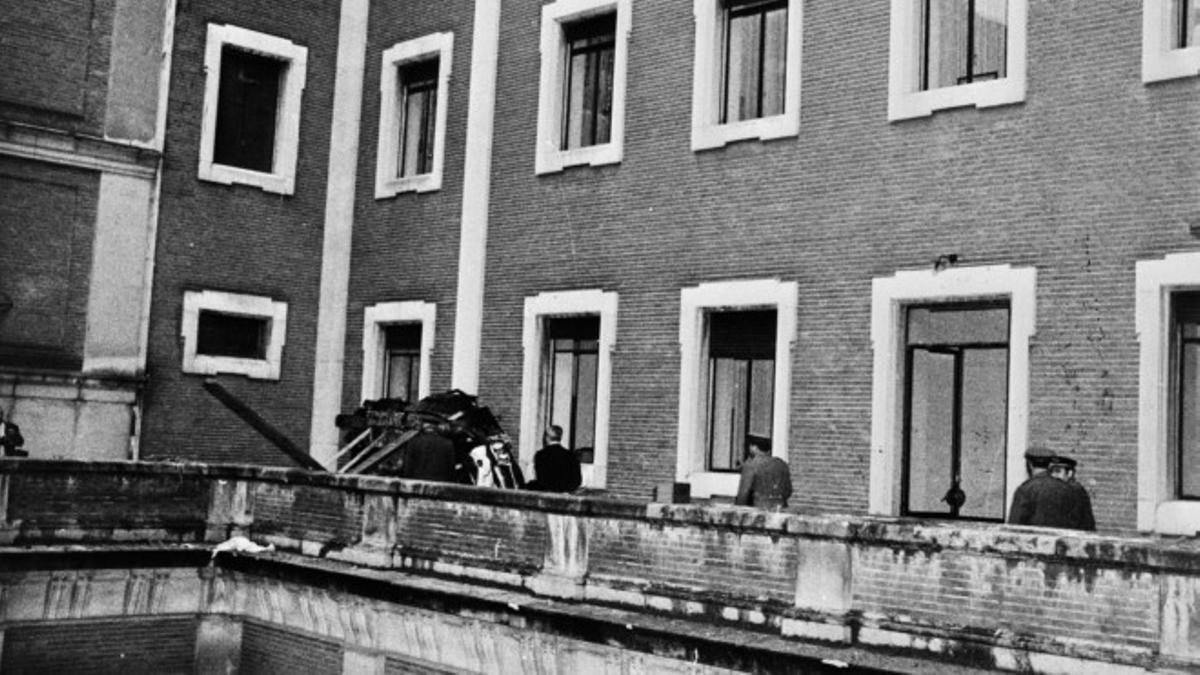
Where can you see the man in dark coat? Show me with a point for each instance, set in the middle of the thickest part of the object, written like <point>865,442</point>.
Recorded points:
<point>766,481</point>
<point>1043,500</point>
<point>1063,468</point>
<point>557,468</point>
<point>11,439</point>
<point>429,456</point>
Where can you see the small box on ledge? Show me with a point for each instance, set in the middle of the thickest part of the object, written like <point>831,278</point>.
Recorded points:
<point>670,492</point>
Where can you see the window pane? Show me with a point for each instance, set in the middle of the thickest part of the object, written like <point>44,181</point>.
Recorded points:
<point>418,106</point>
<point>1185,18</point>
<point>960,48</point>
<point>762,397</point>
<point>931,431</point>
<point>984,432</point>
<point>591,53</point>
<point>742,68</point>
<point>403,376</point>
<point>232,335</point>
<point>950,325</point>
<point>990,40</point>
<point>247,104</point>
<point>774,62</point>
<point>727,432</point>
<point>585,405</point>
<point>562,386</point>
<point>1189,423</point>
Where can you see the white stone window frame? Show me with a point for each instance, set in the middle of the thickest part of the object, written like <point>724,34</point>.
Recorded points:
<point>707,130</point>
<point>695,303</point>
<point>1158,507</point>
<point>387,181</point>
<point>907,101</point>
<point>550,157</point>
<point>274,312</point>
<point>376,319</point>
<point>282,180</point>
<point>1160,60</point>
<point>562,304</point>
<point>889,298</point>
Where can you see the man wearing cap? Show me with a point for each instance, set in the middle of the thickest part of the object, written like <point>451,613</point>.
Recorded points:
<point>1043,500</point>
<point>1063,468</point>
<point>766,481</point>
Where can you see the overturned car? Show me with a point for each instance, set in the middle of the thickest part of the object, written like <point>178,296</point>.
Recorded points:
<point>377,438</point>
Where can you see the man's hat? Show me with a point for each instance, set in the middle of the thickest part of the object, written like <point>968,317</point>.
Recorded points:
<point>1064,461</point>
<point>762,442</point>
<point>1039,455</point>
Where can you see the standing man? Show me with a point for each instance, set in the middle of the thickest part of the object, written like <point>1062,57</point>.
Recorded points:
<point>1063,468</point>
<point>429,456</point>
<point>1042,500</point>
<point>557,468</point>
<point>11,439</point>
<point>766,481</point>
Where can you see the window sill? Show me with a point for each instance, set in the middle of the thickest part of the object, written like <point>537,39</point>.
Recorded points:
<point>554,161</point>
<point>980,95</point>
<point>426,182</point>
<point>229,175</point>
<point>713,483</point>
<point>257,369</point>
<point>1177,517</point>
<point>1170,65</point>
<point>706,137</point>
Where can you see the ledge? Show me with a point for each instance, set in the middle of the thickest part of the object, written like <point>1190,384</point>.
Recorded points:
<point>1116,550</point>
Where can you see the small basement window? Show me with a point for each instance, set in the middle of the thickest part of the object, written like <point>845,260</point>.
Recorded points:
<point>233,333</point>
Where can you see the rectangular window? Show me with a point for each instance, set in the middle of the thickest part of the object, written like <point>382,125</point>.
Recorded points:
<point>402,361</point>
<point>573,356</point>
<point>956,410</point>
<point>418,105</point>
<point>964,41</point>
<point>741,384</point>
<point>250,132</point>
<point>1185,310</point>
<point>233,333</point>
<point>581,84</point>
<point>414,84</point>
<point>755,59</point>
<point>242,337</point>
<point>591,53</point>
<point>247,108</point>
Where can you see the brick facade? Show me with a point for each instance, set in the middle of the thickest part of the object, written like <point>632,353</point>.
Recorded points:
<point>405,248</point>
<point>1094,171</point>
<point>237,238</point>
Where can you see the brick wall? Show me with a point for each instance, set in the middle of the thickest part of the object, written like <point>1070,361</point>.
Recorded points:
<point>47,219</point>
<point>127,645</point>
<point>269,649</point>
<point>91,505</point>
<point>239,239</point>
<point>406,247</point>
<point>56,57</point>
<point>1092,172</point>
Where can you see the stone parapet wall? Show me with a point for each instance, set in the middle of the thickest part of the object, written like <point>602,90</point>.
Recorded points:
<point>1006,597</point>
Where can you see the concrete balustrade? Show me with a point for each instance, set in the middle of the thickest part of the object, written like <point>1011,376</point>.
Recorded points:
<point>992,596</point>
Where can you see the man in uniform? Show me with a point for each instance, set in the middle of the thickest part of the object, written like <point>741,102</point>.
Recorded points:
<point>766,481</point>
<point>1043,500</point>
<point>1063,468</point>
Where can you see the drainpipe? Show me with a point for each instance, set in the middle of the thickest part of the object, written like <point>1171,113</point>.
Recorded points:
<point>339,225</point>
